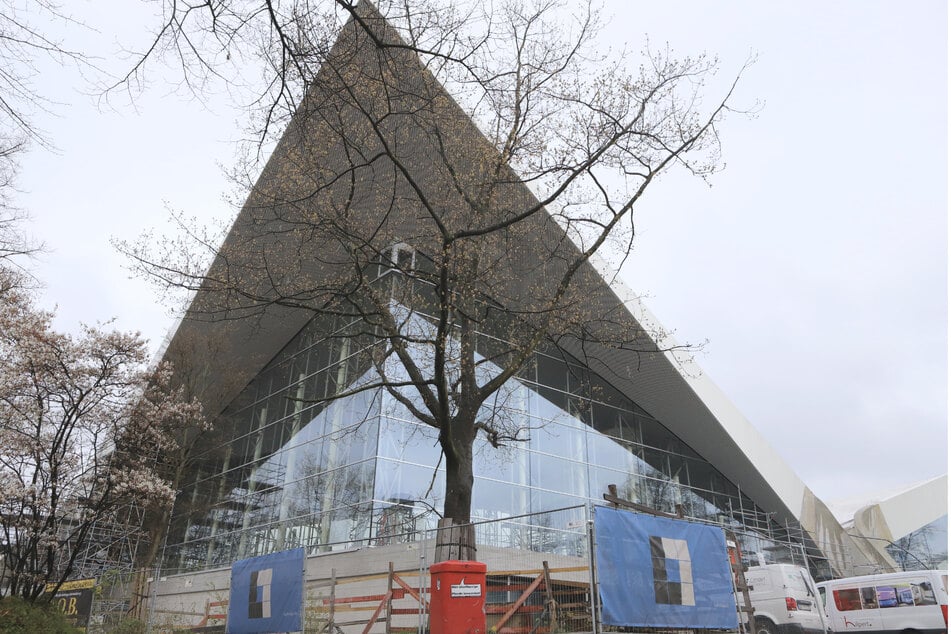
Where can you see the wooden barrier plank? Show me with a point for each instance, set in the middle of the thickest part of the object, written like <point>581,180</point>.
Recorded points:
<point>503,608</point>
<point>398,593</point>
<point>359,578</point>
<point>518,604</point>
<point>345,608</point>
<point>533,572</point>
<point>412,591</point>
<point>376,614</point>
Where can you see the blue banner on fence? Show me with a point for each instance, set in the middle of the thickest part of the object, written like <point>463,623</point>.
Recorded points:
<point>659,572</point>
<point>267,593</point>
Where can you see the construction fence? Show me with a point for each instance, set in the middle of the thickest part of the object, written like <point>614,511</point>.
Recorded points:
<point>540,576</point>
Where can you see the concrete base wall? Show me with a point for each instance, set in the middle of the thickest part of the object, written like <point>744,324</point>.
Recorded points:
<point>189,600</point>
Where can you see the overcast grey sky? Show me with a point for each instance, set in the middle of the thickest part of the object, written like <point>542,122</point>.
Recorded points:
<point>815,267</point>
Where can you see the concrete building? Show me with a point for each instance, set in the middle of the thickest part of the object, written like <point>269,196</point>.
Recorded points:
<point>289,468</point>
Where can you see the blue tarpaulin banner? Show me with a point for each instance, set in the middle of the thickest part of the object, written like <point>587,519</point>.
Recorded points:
<point>659,572</point>
<point>267,593</point>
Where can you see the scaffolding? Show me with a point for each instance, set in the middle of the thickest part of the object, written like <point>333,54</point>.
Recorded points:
<point>109,556</point>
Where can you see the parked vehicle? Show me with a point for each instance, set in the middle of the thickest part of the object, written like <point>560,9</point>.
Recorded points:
<point>908,602</point>
<point>785,600</point>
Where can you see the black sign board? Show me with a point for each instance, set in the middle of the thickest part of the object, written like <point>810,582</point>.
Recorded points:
<point>74,600</point>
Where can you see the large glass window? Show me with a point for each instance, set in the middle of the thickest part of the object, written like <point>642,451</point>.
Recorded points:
<point>925,548</point>
<point>294,469</point>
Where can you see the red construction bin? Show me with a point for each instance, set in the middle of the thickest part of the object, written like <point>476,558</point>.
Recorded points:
<point>457,598</point>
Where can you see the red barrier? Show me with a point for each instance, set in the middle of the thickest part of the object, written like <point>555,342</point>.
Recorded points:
<point>457,598</point>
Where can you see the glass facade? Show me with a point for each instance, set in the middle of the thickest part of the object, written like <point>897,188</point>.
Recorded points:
<point>290,468</point>
<point>925,548</point>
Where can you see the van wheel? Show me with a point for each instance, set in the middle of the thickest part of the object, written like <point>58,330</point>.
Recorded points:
<point>764,626</point>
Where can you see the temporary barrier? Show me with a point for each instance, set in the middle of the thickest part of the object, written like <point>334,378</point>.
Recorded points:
<point>538,578</point>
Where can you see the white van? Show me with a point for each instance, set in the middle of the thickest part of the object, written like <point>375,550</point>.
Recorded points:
<point>895,602</point>
<point>785,600</point>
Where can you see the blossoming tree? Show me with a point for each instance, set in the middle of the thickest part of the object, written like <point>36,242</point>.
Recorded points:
<point>84,424</point>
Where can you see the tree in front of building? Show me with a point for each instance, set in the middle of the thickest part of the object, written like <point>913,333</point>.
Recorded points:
<point>449,175</point>
<point>82,422</point>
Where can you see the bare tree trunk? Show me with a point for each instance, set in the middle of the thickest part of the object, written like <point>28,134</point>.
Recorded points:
<point>456,536</point>
<point>138,602</point>
<point>459,483</point>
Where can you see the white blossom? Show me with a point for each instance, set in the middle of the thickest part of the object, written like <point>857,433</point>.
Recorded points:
<point>83,426</point>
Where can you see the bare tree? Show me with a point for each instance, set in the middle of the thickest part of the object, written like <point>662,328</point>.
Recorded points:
<point>82,423</point>
<point>26,40</point>
<point>448,176</point>
<point>26,37</point>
